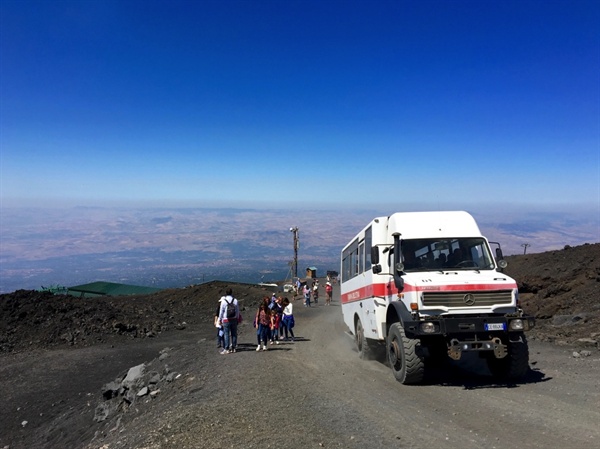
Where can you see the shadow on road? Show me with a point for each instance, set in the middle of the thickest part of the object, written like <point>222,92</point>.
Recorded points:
<point>472,374</point>
<point>454,374</point>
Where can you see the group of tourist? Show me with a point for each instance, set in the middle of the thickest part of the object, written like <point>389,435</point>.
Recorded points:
<point>274,321</point>
<point>311,292</point>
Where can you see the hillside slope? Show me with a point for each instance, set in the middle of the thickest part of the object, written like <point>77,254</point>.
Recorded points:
<point>31,319</point>
<point>561,289</point>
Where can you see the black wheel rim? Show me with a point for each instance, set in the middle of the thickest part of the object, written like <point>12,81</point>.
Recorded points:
<point>359,335</point>
<point>394,355</point>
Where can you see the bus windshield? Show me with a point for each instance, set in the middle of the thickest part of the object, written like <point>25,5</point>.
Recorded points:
<point>446,253</point>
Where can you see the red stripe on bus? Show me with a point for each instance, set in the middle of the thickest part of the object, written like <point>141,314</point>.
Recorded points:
<point>368,291</point>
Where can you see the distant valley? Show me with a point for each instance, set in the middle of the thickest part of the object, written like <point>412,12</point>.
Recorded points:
<point>175,247</point>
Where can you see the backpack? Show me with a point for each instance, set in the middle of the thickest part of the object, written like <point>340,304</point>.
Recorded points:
<point>230,310</point>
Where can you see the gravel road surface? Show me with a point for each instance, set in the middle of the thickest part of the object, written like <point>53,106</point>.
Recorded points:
<point>314,392</point>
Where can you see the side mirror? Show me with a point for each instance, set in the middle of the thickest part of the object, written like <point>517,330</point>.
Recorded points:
<point>376,269</point>
<point>499,255</point>
<point>398,279</point>
<point>374,255</point>
<point>399,282</point>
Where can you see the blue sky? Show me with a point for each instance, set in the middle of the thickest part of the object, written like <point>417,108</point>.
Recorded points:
<point>447,103</point>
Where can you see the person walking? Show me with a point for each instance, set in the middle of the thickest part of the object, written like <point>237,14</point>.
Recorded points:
<point>307,293</point>
<point>262,321</point>
<point>280,316</point>
<point>328,293</point>
<point>219,326</point>
<point>229,313</point>
<point>274,327</point>
<point>288,318</point>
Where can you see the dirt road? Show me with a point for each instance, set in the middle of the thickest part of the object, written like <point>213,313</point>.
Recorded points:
<point>314,392</point>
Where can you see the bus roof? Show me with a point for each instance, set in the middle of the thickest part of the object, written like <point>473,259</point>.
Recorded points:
<point>413,225</point>
<point>418,225</point>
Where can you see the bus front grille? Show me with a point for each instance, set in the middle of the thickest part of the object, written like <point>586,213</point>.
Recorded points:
<point>467,299</point>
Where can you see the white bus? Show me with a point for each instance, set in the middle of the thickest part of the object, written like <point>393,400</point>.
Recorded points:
<point>425,286</point>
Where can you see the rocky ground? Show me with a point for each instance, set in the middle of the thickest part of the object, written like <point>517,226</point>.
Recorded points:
<point>562,290</point>
<point>33,320</point>
<point>143,372</point>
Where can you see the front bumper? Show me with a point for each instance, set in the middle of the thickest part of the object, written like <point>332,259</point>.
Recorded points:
<point>459,326</point>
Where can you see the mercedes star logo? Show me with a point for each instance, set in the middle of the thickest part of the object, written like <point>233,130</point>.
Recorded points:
<point>469,299</point>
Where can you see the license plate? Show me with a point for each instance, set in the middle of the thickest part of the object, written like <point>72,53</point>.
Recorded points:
<point>494,326</point>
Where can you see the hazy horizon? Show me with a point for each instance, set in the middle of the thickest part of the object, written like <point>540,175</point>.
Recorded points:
<point>175,247</point>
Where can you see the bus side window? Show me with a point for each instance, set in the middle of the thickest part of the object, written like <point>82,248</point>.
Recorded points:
<point>368,250</point>
<point>361,258</point>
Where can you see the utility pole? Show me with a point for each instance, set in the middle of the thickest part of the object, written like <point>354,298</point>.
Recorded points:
<point>525,246</point>
<point>294,230</point>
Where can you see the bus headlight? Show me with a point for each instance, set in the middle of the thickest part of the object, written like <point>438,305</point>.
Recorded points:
<point>516,325</point>
<point>428,327</point>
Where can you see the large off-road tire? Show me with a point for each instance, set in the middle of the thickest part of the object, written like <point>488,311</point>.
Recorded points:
<point>516,363</point>
<point>365,350</point>
<point>405,356</point>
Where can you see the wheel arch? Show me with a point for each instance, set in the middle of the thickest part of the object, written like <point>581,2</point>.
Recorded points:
<point>396,312</point>
<point>355,320</point>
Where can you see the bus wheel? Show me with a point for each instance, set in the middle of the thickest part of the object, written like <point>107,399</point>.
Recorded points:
<point>405,356</point>
<point>364,350</point>
<point>516,363</point>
